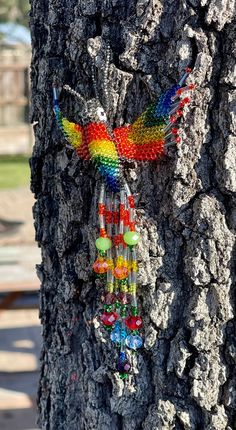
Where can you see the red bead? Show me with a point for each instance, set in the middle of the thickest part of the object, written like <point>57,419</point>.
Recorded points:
<point>177,139</point>
<point>173,119</point>
<point>188,70</point>
<point>186,100</point>
<point>118,239</point>
<point>191,86</point>
<point>134,323</point>
<point>179,112</point>
<point>115,217</point>
<point>109,318</point>
<point>179,91</point>
<point>108,217</point>
<point>175,130</point>
<point>131,201</point>
<point>122,212</point>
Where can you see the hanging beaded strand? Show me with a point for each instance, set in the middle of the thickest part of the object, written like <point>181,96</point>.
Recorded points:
<point>104,263</point>
<point>121,272</point>
<point>117,259</point>
<point>109,299</point>
<point>132,238</point>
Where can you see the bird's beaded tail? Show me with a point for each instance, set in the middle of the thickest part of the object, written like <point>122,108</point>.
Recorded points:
<point>117,262</point>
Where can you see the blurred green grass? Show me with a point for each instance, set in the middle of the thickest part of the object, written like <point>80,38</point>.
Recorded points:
<point>14,171</point>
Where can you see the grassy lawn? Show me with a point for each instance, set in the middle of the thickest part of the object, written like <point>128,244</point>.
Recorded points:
<point>14,171</point>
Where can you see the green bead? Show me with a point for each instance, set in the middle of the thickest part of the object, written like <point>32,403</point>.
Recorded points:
<point>123,281</point>
<point>131,238</point>
<point>107,328</point>
<point>123,375</point>
<point>103,243</point>
<point>134,311</point>
<point>108,308</point>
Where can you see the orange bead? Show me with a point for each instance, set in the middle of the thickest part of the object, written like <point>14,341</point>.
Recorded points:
<point>101,209</point>
<point>103,232</point>
<point>120,272</point>
<point>100,266</point>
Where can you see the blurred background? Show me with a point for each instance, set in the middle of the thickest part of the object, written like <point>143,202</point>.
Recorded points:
<point>20,340</point>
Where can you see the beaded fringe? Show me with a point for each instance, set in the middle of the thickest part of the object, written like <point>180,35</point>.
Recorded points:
<point>118,262</point>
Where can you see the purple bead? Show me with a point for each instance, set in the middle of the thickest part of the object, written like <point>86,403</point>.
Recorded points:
<point>109,298</point>
<point>124,366</point>
<point>123,298</point>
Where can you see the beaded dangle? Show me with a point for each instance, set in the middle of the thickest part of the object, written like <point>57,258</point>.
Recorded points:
<point>144,140</point>
<point>117,260</point>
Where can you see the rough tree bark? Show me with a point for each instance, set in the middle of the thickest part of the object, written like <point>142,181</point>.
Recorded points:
<point>184,377</point>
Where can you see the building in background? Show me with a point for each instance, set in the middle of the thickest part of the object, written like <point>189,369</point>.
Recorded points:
<point>15,51</point>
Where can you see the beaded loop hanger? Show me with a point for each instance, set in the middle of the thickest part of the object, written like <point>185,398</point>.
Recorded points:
<point>144,140</point>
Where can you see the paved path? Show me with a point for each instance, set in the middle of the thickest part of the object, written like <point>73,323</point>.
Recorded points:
<point>19,368</point>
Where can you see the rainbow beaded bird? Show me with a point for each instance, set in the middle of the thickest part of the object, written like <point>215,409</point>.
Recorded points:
<point>144,140</point>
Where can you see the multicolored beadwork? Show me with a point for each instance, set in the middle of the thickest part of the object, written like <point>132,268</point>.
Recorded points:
<point>144,140</point>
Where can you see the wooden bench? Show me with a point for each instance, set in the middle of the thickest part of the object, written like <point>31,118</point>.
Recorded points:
<point>15,290</point>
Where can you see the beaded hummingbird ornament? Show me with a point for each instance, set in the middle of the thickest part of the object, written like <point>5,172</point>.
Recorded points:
<point>144,140</point>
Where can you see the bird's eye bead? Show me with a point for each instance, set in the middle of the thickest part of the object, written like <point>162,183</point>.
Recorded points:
<point>103,243</point>
<point>131,238</point>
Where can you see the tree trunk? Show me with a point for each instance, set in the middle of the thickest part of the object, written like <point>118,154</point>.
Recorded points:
<point>184,377</point>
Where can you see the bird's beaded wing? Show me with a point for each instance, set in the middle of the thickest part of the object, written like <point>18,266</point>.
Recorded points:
<point>92,142</point>
<point>73,132</point>
<point>155,128</point>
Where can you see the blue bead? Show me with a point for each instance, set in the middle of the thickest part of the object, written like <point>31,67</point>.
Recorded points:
<point>115,336</point>
<point>123,333</point>
<point>134,341</point>
<point>122,356</point>
<point>116,333</point>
